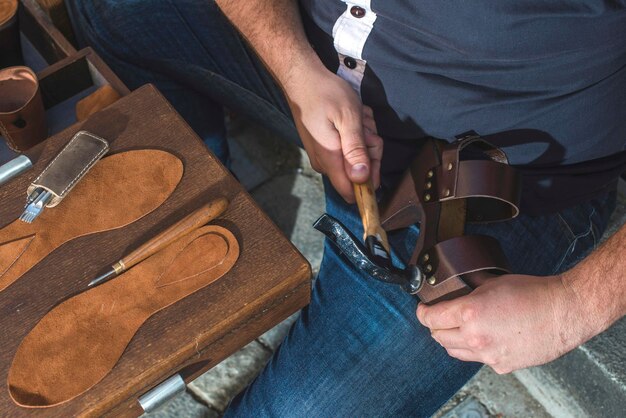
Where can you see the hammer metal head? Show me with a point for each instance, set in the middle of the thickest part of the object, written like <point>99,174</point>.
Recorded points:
<point>410,278</point>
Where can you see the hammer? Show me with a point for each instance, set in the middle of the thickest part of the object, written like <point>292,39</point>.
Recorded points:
<point>374,236</point>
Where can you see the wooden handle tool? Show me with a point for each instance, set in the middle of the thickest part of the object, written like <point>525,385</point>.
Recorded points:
<point>374,236</point>
<point>189,223</point>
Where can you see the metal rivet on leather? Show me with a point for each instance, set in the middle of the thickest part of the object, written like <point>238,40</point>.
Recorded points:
<point>429,185</point>
<point>427,197</point>
<point>446,192</point>
<point>429,268</point>
<point>450,166</point>
<point>357,11</point>
<point>350,62</point>
<point>430,174</point>
<point>431,280</point>
<point>425,258</point>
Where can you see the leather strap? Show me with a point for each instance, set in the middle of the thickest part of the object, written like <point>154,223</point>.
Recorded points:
<point>447,186</point>
<point>462,255</point>
<point>491,186</point>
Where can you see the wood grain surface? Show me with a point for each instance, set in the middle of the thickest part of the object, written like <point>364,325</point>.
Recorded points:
<point>368,209</point>
<point>40,31</point>
<point>190,336</point>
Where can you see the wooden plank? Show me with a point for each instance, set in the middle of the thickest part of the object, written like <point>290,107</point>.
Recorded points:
<point>64,79</point>
<point>100,69</point>
<point>57,12</point>
<point>45,37</point>
<point>189,336</point>
<point>76,73</point>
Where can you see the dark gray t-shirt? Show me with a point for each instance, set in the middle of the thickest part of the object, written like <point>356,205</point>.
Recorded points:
<point>543,79</point>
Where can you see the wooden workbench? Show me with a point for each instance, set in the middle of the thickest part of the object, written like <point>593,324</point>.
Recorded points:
<point>270,281</point>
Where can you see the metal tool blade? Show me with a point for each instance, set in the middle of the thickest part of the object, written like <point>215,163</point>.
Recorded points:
<point>34,209</point>
<point>103,278</point>
<point>411,278</point>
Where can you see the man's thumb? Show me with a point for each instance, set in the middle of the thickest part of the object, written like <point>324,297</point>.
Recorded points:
<point>355,155</point>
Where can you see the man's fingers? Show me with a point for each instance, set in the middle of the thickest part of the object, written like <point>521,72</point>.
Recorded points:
<point>462,354</point>
<point>370,124</point>
<point>332,165</point>
<point>450,338</point>
<point>375,150</point>
<point>357,163</point>
<point>341,183</point>
<point>443,315</point>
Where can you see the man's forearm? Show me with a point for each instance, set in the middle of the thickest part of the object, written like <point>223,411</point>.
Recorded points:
<point>274,29</point>
<point>338,132</point>
<point>599,283</point>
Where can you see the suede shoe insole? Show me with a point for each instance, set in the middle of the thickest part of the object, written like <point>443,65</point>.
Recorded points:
<point>118,190</point>
<point>79,342</point>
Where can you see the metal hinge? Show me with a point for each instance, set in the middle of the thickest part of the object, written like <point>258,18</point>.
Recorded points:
<point>162,393</point>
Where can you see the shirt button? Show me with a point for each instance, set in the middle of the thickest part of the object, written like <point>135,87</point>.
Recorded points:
<point>357,11</point>
<point>350,62</point>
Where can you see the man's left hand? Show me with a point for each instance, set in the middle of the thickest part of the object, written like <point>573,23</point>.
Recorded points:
<point>510,322</point>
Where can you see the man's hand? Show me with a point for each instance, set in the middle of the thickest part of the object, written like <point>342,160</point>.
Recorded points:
<point>510,322</point>
<point>338,132</point>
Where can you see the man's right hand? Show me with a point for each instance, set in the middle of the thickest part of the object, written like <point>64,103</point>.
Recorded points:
<point>338,132</point>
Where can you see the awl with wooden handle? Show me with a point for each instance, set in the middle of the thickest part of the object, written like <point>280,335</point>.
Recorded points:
<point>189,223</point>
<point>374,236</point>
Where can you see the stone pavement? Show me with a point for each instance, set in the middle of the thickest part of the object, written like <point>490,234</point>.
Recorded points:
<point>280,179</point>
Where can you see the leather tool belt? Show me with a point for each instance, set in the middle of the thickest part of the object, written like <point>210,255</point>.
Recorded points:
<point>446,186</point>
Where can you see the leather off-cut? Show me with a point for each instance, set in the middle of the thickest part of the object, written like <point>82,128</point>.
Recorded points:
<point>79,342</point>
<point>119,190</point>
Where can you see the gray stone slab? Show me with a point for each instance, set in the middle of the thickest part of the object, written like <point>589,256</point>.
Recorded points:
<point>593,376</point>
<point>274,155</point>
<point>501,395</point>
<point>469,408</point>
<point>305,165</point>
<point>272,338</point>
<point>294,202</point>
<point>184,405</point>
<point>220,384</point>
<point>247,170</point>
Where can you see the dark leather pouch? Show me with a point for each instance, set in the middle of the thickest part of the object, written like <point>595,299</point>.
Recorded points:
<point>22,115</point>
<point>70,165</point>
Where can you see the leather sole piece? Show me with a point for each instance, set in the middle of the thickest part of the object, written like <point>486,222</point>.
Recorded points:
<point>79,342</point>
<point>119,190</point>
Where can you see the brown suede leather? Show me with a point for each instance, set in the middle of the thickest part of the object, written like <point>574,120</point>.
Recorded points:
<point>119,190</point>
<point>10,48</point>
<point>96,101</point>
<point>79,342</point>
<point>22,115</point>
<point>8,8</point>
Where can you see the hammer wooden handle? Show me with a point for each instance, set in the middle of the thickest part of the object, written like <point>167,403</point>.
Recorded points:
<point>368,208</point>
<point>189,223</point>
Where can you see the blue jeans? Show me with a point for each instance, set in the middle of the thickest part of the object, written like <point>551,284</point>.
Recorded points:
<point>357,349</point>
